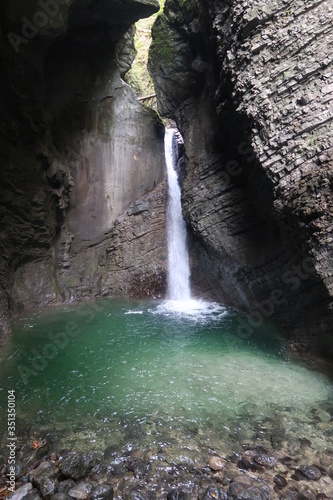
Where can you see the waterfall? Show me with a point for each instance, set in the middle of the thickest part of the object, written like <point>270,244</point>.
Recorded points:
<point>178,257</point>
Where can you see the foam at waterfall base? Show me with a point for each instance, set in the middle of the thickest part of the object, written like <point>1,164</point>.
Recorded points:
<point>193,309</point>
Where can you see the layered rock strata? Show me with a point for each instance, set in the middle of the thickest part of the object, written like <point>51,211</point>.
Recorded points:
<point>250,85</point>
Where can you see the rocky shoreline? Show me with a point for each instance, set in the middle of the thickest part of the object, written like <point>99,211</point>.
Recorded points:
<point>134,473</point>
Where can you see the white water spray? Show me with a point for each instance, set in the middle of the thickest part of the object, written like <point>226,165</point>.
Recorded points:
<point>178,257</point>
<point>180,302</point>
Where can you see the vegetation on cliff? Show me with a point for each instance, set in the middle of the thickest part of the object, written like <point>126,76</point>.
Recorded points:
<point>138,76</point>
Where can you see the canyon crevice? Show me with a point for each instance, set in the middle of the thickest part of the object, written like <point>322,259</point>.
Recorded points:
<point>250,85</point>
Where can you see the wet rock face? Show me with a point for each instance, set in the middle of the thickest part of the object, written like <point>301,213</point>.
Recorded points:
<point>127,261</point>
<point>257,124</point>
<point>77,149</point>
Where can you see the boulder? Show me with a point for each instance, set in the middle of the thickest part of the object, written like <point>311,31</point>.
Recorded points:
<point>46,471</point>
<point>77,465</point>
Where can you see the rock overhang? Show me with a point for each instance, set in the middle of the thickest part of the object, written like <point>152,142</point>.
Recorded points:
<point>54,19</point>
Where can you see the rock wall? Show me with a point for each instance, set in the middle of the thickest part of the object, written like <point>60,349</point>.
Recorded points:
<point>250,84</point>
<point>77,150</point>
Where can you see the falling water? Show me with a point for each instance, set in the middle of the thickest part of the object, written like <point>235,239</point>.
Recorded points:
<point>178,257</point>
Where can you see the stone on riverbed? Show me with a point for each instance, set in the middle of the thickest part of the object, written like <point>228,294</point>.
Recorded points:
<point>60,496</point>
<point>266,461</point>
<point>48,487</point>
<point>33,495</point>
<point>140,495</point>
<point>248,465</point>
<point>182,494</point>
<point>21,492</point>
<point>102,492</point>
<point>241,491</point>
<point>28,456</point>
<point>280,481</point>
<point>45,471</point>
<point>216,463</point>
<point>81,491</point>
<point>290,495</point>
<point>77,465</point>
<point>214,493</point>
<point>66,485</point>
<point>310,472</point>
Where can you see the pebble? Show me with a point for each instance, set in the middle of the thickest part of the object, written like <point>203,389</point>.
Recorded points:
<point>241,491</point>
<point>48,487</point>
<point>181,494</point>
<point>266,461</point>
<point>77,465</point>
<point>102,492</point>
<point>33,495</point>
<point>310,472</point>
<point>280,481</point>
<point>247,465</point>
<point>214,493</point>
<point>66,485</point>
<point>216,463</point>
<point>60,496</point>
<point>81,491</point>
<point>21,492</point>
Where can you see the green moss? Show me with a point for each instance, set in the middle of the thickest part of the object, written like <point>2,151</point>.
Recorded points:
<point>138,76</point>
<point>162,49</point>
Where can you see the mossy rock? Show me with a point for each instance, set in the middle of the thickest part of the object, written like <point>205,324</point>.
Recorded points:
<point>162,48</point>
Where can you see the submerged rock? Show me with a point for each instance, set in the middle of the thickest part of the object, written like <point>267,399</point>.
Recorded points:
<point>140,495</point>
<point>33,495</point>
<point>266,461</point>
<point>60,496</point>
<point>182,494</point>
<point>280,481</point>
<point>77,465</point>
<point>310,472</point>
<point>241,491</point>
<point>46,471</point>
<point>102,492</point>
<point>214,493</point>
<point>292,495</point>
<point>216,463</point>
<point>81,491</point>
<point>66,485</point>
<point>248,465</point>
<point>48,487</point>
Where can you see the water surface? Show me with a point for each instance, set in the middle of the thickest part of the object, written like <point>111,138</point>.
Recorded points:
<point>119,372</point>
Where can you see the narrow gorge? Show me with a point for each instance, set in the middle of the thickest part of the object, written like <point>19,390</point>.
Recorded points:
<point>166,257</point>
<point>83,191</point>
